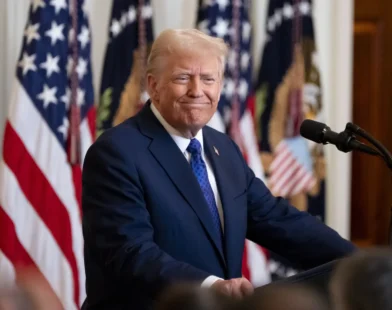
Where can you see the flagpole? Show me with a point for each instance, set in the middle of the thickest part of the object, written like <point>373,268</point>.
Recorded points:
<point>235,116</point>
<point>74,152</point>
<point>142,37</point>
<point>295,97</point>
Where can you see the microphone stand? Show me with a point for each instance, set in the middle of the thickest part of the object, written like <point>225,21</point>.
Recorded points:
<point>381,151</point>
<point>384,153</point>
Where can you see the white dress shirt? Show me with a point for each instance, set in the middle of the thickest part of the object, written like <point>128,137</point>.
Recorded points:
<point>182,144</point>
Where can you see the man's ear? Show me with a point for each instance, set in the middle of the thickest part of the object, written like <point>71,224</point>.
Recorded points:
<point>152,87</point>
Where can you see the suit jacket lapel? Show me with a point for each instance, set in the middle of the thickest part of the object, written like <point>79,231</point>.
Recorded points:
<point>228,190</point>
<point>167,153</point>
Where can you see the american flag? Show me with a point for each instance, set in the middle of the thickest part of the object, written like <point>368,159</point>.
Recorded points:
<point>130,36</point>
<point>289,75</point>
<point>40,192</point>
<point>229,20</point>
<point>291,168</point>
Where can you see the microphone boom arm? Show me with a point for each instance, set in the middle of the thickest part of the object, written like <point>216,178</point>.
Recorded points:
<point>382,150</point>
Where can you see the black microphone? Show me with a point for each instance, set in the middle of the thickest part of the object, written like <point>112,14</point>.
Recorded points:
<point>321,133</point>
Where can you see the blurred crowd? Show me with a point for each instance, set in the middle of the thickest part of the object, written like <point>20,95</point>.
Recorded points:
<point>360,282</point>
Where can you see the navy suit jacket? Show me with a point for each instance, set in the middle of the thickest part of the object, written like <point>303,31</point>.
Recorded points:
<point>146,223</point>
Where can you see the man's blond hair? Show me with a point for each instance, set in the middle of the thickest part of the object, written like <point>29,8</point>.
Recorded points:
<point>173,40</point>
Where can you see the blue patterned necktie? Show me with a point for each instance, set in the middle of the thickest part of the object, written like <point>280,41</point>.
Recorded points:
<point>200,170</point>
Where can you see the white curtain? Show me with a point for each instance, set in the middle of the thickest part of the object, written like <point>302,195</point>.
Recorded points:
<point>333,23</point>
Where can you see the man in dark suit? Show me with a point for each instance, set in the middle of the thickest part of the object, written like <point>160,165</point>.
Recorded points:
<point>167,199</point>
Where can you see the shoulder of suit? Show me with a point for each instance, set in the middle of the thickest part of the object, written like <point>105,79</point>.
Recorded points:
<point>127,128</point>
<point>217,135</point>
<point>212,131</point>
<point>223,141</point>
<point>125,139</point>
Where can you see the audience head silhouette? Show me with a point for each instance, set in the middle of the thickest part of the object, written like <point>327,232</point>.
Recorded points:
<point>363,281</point>
<point>284,297</point>
<point>189,297</point>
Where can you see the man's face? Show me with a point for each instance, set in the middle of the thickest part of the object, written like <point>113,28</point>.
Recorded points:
<point>186,91</point>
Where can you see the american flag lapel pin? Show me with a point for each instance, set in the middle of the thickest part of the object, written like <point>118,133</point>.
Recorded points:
<point>216,151</point>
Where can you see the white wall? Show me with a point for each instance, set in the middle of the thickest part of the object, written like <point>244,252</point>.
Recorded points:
<point>333,22</point>
<point>335,30</point>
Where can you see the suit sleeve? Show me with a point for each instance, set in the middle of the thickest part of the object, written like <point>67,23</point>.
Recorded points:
<point>117,228</point>
<point>295,235</point>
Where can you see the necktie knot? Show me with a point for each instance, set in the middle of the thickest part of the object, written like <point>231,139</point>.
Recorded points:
<point>194,147</point>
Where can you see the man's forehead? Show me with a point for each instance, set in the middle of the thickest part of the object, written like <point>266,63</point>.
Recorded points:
<point>195,65</point>
<point>203,70</point>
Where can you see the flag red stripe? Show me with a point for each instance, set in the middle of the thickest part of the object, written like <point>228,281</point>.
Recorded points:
<point>293,180</point>
<point>281,161</point>
<point>91,117</point>
<point>10,244</point>
<point>245,265</point>
<point>280,173</point>
<point>279,156</point>
<point>290,175</point>
<point>77,183</point>
<point>287,179</point>
<point>41,196</point>
<point>251,105</point>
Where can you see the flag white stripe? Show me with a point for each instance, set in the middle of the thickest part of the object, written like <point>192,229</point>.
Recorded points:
<point>278,173</point>
<point>301,184</point>
<point>38,139</point>
<point>85,137</point>
<point>285,177</point>
<point>281,172</point>
<point>7,271</point>
<point>279,157</point>
<point>290,184</point>
<point>41,246</point>
<point>250,142</point>
<point>217,122</point>
<point>258,269</point>
<point>281,161</point>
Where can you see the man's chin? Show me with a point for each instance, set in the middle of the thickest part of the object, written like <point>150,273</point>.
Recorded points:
<point>192,125</point>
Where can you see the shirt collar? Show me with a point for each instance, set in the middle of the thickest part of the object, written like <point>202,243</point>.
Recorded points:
<point>181,141</point>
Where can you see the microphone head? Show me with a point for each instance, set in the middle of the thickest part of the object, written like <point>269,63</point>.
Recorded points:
<point>313,130</point>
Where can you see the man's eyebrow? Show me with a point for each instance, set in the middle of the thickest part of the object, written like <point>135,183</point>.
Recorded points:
<point>189,72</point>
<point>181,71</point>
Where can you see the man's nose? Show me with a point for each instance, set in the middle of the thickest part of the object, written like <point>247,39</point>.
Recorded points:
<point>195,87</point>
